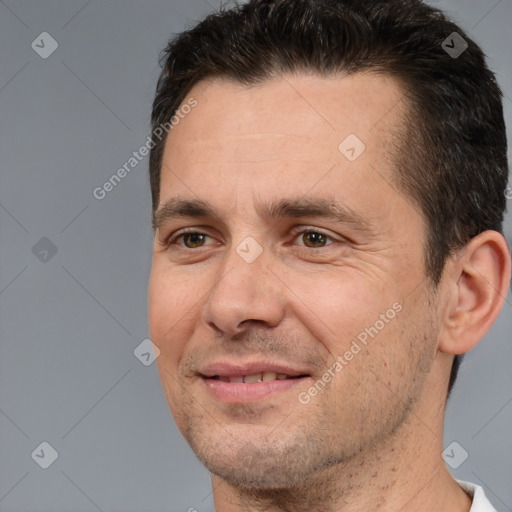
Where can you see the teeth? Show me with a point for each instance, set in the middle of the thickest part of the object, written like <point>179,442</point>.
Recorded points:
<point>259,377</point>
<point>253,378</point>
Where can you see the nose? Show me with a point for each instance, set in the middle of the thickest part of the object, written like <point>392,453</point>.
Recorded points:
<point>245,293</point>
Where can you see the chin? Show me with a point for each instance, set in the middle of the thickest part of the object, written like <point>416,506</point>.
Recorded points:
<point>258,477</point>
<point>259,464</point>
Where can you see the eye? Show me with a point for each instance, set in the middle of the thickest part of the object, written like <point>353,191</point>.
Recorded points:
<point>313,239</point>
<point>192,240</point>
<point>188,240</point>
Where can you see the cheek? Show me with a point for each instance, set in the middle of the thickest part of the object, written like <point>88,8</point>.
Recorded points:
<point>384,365</point>
<point>337,306</point>
<point>171,324</point>
<point>171,307</point>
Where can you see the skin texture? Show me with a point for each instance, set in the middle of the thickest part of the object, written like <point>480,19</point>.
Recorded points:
<point>371,438</point>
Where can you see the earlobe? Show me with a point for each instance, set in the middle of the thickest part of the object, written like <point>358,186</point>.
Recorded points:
<point>478,281</point>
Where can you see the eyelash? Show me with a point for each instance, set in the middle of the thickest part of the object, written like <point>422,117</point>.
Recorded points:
<point>172,239</point>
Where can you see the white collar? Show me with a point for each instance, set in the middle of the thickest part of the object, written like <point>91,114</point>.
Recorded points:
<point>480,502</point>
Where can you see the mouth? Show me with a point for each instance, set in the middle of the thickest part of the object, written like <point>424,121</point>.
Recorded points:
<point>258,377</point>
<point>242,384</point>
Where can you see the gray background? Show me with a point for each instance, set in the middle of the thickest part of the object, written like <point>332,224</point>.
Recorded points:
<point>70,323</point>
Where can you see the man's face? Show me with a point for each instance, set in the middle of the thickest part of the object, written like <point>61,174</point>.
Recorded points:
<point>267,284</point>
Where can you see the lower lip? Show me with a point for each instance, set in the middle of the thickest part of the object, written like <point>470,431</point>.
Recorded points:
<point>242,392</point>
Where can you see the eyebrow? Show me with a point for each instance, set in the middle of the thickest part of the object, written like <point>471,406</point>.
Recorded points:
<point>313,207</point>
<point>283,208</point>
<point>179,208</point>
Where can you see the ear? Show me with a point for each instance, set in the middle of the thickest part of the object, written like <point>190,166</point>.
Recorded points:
<point>476,282</point>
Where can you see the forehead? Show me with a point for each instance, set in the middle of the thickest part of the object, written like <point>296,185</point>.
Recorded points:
<point>286,136</point>
<point>236,120</point>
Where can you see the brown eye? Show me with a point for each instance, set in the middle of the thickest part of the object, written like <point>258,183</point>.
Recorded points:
<point>314,239</point>
<point>193,240</point>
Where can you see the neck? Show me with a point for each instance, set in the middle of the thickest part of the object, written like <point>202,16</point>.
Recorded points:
<point>403,472</point>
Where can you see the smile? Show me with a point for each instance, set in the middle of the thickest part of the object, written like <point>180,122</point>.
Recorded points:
<point>243,389</point>
<point>258,377</point>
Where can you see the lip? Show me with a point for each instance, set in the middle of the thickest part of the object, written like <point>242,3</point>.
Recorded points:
<point>226,369</point>
<point>238,392</point>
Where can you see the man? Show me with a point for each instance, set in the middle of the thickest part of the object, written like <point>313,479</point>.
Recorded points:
<point>327,209</point>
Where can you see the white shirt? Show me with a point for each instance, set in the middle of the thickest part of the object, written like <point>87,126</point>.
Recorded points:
<point>480,502</point>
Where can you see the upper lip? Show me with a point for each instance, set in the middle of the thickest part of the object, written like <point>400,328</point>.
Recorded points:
<point>226,369</point>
